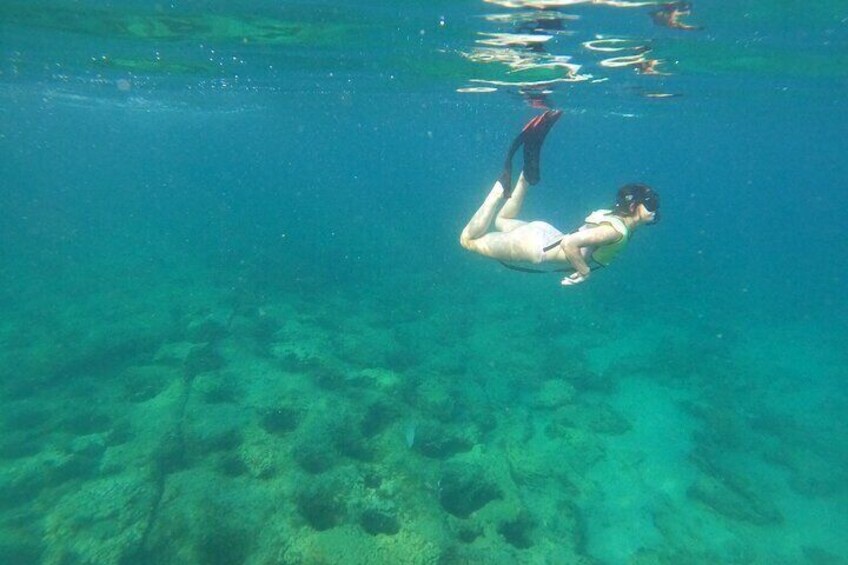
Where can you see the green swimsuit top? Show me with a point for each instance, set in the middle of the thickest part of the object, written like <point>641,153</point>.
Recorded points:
<point>605,254</point>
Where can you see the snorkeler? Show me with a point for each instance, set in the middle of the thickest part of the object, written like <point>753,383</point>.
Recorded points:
<point>538,246</point>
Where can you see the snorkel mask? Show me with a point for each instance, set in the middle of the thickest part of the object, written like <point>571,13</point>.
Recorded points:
<point>651,202</point>
<point>631,195</point>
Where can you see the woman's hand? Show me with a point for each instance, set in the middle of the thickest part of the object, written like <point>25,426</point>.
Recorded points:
<point>573,279</point>
<point>573,243</point>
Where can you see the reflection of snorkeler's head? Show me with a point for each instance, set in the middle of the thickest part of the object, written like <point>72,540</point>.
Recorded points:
<point>540,24</point>
<point>537,98</point>
<point>669,15</point>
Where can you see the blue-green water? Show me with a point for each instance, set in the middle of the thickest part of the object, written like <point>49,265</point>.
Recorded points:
<point>237,326</point>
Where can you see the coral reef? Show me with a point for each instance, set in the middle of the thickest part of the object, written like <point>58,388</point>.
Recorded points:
<point>316,431</point>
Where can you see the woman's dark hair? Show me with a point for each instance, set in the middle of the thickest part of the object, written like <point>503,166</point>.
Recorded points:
<point>632,194</point>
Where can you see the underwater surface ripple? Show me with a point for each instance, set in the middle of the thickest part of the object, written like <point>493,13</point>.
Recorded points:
<point>236,325</point>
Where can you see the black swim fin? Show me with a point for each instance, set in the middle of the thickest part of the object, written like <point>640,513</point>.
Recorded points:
<point>532,137</point>
<point>533,145</point>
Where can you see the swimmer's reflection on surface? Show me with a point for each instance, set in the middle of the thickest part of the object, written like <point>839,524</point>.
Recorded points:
<point>669,15</point>
<point>538,98</point>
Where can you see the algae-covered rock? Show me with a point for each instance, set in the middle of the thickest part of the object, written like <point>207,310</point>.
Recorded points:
<point>733,499</point>
<point>466,488</point>
<point>207,517</point>
<point>600,418</point>
<point>323,502</point>
<point>90,446</point>
<point>209,329</point>
<point>280,420</point>
<point>376,521</point>
<point>86,420</point>
<point>15,548</point>
<point>818,556</point>
<point>440,441</point>
<point>202,359</point>
<point>27,478</point>
<point>364,346</point>
<point>378,415</point>
<point>21,482</point>
<point>173,353</point>
<point>349,442</point>
<point>433,398</point>
<point>518,531</point>
<point>688,541</point>
<point>728,493</point>
<point>217,387</point>
<point>474,554</point>
<point>585,379</point>
<point>376,378</point>
<point>142,383</point>
<point>543,468</point>
<point>315,457</point>
<point>580,449</point>
<point>17,445</point>
<point>553,393</point>
<point>352,545</point>
<point>811,474</point>
<point>104,521</point>
<point>674,556</point>
<point>210,428</point>
<point>260,459</point>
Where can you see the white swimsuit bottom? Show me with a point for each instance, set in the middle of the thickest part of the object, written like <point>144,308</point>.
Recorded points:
<point>545,237</point>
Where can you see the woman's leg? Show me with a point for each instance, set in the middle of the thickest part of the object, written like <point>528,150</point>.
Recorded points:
<point>517,244</point>
<point>505,220</point>
<point>480,222</point>
<point>512,239</point>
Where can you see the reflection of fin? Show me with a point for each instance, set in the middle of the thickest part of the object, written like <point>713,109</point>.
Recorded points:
<point>532,137</point>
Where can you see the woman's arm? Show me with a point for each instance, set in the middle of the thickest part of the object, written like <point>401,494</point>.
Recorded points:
<point>573,243</point>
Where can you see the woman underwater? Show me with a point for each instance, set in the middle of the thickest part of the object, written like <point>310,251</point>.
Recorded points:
<point>538,246</point>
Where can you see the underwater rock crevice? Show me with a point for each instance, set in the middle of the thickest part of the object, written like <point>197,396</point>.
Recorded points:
<point>466,489</point>
<point>167,458</point>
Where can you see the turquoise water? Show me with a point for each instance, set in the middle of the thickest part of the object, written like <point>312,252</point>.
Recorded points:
<point>237,326</point>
